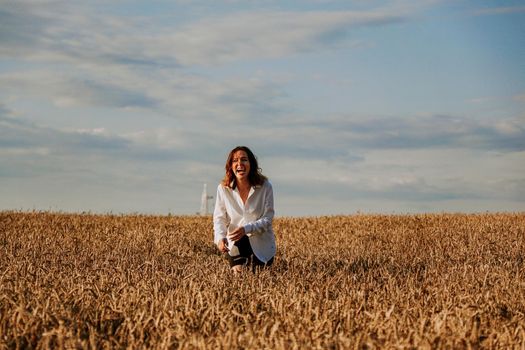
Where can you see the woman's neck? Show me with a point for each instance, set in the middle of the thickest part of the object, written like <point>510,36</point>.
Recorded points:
<point>243,185</point>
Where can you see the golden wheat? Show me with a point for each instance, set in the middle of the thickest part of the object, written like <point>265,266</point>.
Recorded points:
<point>360,281</point>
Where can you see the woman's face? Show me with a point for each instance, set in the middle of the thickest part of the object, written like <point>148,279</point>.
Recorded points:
<point>241,165</point>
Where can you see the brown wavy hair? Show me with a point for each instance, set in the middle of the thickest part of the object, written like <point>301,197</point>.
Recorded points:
<point>255,175</point>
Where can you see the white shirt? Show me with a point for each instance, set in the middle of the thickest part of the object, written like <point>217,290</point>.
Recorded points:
<point>255,216</point>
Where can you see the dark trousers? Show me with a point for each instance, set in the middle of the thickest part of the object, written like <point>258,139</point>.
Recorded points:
<point>246,256</point>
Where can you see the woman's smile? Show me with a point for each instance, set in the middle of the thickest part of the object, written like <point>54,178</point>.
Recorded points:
<point>241,164</point>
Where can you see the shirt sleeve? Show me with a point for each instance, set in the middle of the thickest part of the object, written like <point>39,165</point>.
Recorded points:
<point>220,217</point>
<point>265,221</point>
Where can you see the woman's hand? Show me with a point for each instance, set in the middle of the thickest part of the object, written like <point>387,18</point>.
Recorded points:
<point>236,234</point>
<point>223,246</point>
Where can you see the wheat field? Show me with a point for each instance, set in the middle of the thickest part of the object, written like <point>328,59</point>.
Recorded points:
<point>85,281</point>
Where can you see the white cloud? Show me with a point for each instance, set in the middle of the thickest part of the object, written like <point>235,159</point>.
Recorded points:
<point>415,179</point>
<point>409,132</point>
<point>267,35</point>
<point>328,165</point>
<point>173,94</point>
<point>75,33</point>
<point>510,128</point>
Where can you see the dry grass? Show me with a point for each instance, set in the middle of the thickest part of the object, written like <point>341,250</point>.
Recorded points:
<point>362,281</point>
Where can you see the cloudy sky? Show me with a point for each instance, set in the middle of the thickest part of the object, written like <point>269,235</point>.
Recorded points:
<point>350,106</point>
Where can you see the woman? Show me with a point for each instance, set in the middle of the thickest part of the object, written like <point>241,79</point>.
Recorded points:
<point>242,219</point>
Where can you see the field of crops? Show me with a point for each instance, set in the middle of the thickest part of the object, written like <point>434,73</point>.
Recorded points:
<point>359,281</point>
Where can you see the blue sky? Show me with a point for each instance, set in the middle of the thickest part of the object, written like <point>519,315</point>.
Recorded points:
<point>350,106</point>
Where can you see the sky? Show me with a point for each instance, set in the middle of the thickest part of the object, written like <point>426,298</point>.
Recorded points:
<point>350,106</point>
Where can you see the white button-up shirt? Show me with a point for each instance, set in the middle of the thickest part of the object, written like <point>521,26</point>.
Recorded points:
<point>255,216</point>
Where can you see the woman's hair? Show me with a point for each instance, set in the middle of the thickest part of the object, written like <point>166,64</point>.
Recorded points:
<point>255,176</point>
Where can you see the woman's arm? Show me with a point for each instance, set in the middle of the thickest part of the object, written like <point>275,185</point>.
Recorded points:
<point>265,221</point>
<point>220,218</point>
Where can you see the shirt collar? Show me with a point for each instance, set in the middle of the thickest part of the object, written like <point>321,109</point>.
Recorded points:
<point>253,186</point>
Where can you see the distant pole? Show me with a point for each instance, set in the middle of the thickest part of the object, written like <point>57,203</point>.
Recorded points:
<point>204,200</point>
